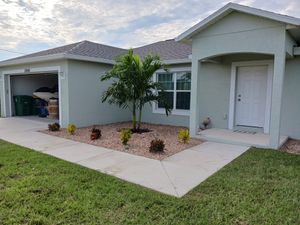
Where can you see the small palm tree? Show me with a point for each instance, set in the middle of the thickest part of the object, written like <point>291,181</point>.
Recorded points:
<point>133,86</point>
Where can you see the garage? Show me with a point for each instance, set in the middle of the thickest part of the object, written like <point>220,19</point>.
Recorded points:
<point>35,96</point>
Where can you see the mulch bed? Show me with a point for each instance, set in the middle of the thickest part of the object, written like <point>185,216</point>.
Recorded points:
<point>139,142</point>
<point>291,146</point>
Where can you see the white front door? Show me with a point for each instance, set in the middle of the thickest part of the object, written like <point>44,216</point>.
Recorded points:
<point>251,95</point>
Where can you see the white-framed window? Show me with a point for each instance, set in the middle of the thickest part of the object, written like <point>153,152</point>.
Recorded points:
<point>177,86</point>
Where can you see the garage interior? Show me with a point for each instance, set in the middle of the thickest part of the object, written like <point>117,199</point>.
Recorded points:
<point>35,96</point>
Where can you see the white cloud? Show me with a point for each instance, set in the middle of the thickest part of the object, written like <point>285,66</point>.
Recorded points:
<point>34,24</point>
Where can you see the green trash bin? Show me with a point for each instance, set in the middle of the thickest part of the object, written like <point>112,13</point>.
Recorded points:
<point>23,105</point>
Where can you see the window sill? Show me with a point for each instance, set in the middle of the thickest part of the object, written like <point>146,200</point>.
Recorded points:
<point>174,112</point>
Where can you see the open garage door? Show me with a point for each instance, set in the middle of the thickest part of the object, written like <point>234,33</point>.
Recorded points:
<point>35,96</point>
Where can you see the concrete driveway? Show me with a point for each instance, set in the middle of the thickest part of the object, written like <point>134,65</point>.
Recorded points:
<point>174,176</point>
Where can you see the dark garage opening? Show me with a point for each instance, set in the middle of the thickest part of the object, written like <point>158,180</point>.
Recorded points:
<point>35,96</point>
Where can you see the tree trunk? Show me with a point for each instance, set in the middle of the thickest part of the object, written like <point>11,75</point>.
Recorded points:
<point>140,117</point>
<point>134,116</point>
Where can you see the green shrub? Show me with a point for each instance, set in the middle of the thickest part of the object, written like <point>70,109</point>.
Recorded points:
<point>157,145</point>
<point>71,128</point>
<point>54,127</point>
<point>125,136</point>
<point>184,136</point>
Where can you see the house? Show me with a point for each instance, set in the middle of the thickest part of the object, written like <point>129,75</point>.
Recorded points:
<point>76,69</point>
<point>239,66</point>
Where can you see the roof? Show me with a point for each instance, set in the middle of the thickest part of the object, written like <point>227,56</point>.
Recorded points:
<point>167,50</point>
<point>170,51</point>
<point>230,7</point>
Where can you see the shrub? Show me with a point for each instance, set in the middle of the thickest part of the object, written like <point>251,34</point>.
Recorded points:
<point>157,145</point>
<point>184,136</point>
<point>125,136</point>
<point>96,134</point>
<point>71,128</point>
<point>54,127</point>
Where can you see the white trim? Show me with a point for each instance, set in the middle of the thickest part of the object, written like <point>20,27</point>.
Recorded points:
<point>225,10</point>
<point>269,97</point>
<point>178,112</point>
<point>33,70</point>
<point>9,95</point>
<point>173,70</point>
<point>59,77</point>
<point>3,101</point>
<point>175,112</point>
<point>232,98</point>
<point>234,67</point>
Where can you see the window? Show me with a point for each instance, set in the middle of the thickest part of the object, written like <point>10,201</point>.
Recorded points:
<point>177,86</point>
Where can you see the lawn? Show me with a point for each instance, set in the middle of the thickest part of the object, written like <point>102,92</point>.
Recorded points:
<point>260,187</point>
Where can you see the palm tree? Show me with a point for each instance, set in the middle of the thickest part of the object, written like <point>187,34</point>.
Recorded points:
<point>133,86</point>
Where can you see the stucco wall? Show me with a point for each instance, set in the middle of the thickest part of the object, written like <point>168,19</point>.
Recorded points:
<point>85,91</point>
<point>290,122</point>
<point>214,91</point>
<point>176,120</point>
<point>239,33</point>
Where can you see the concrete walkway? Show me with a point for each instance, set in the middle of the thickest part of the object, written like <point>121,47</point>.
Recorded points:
<point>174,176</point>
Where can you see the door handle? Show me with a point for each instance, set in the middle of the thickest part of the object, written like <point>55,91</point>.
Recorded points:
<point>239,99</point>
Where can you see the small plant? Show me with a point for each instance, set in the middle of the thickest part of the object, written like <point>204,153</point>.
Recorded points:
<point>71,128</point>
<point>125,136</point>
<point>184,136</point>
<point>96,134</point>
<point>54,127</point>
<point>157,145</point>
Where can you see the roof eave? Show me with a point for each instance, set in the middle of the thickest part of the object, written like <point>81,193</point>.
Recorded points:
<point>55,57</point>
<point>176,61</point>
<point>32,59</point>
<point>90,59</point>
<point>225,10</point>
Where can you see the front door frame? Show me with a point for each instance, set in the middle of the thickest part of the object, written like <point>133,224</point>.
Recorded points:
<point>233,83</point>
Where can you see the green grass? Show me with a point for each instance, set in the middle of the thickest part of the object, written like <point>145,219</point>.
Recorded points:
<point>260,187</point>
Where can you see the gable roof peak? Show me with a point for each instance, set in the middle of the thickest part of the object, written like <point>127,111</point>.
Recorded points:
<point>230,7</point>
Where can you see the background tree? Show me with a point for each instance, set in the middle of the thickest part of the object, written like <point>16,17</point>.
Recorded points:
<point>132,85</point>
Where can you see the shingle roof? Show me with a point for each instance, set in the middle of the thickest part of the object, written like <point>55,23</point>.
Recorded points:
<point>168,50</point>
<point>83,48</point>
<point>92,49</point>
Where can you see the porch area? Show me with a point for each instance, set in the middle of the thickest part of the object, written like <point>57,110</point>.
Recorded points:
<point>237,90</point>
<point>238,137</point>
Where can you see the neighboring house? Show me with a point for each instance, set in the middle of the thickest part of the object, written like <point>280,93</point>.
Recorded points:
<point>245,68</point>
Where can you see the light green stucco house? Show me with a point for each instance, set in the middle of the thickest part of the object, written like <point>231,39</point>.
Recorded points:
<point>240,67</point>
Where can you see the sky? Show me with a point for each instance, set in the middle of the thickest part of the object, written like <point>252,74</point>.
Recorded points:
<point>28,26</point>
